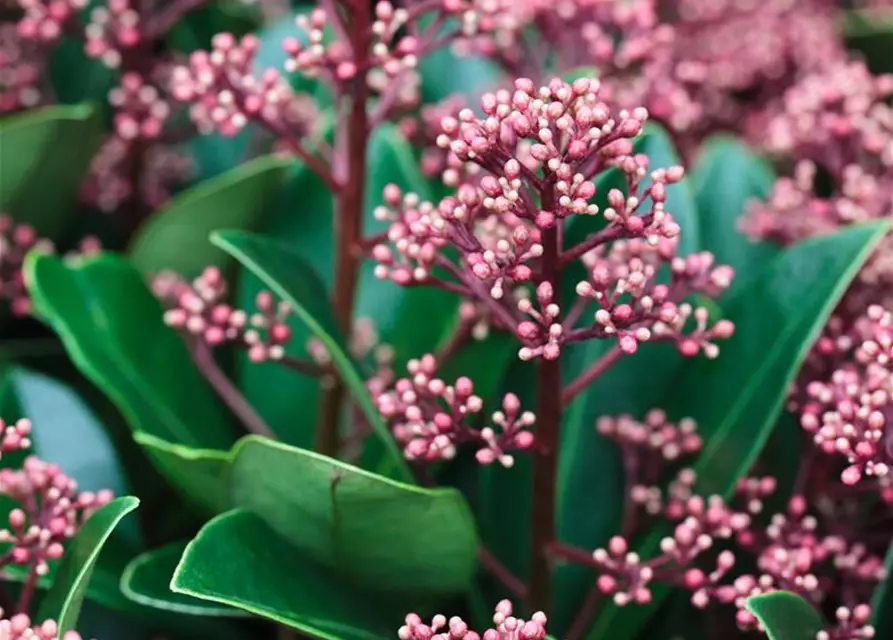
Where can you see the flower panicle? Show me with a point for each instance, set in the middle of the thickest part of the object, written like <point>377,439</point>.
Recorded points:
<point>505,627</point>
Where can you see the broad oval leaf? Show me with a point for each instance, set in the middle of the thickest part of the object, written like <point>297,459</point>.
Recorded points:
<point>46,153</point>
<point>882,601</point>
<point>376,532</point>
<point>112,327</point>
<point>64,599</point>
<point>737,398</point>
<point>289,276</point>
<point>784,615</point>
<point>176,237</point>
<point>146,580</point>
<point>226,565</point>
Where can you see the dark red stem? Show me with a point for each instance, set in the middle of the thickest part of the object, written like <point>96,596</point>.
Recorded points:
<point>499,571</point>
<point>351,140</point>
<point>590,374</point>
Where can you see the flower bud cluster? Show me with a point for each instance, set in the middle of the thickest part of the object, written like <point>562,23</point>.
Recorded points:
<point>114,28</point>
<point>21,65</point>
<point>140,110</point>
<point>20,627</point>
<point>199,309</point>
<point>43,21</point>
<point>430,418</point>
<point>655,434</point>
<point>635,307</point>
<point>51,507</point>
<point>225,94</point>
<point>851,412</point>
<point>505,627</point>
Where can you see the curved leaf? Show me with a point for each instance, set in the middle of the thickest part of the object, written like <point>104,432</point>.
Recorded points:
<point>46,153</point>
<point>289,276</point>
<point>375,532</point>
<point>112,327</point>
<point>225,564</point>
<point>146,580</point>
<point>176,237</point>
<point>785,616</point>
<point>737,398</point>
<point>882,601</point>
<point>64,599</point>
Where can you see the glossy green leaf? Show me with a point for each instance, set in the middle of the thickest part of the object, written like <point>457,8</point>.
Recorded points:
<point>76,77</point>
<point>445,74</point>
<point>176,237</point>
<point>64,600</point>
<point>46,153</point>
<point>201,475</point>
<point>376,532</point>
<point>882,601</point>
<point>727,179</point>
<point>785,616</point>
<point>737,398</point>
<point>870,33</point>
<point>147,578</point>
<point>225,564</point>
<point>289,276</point>
<point>112,327</point>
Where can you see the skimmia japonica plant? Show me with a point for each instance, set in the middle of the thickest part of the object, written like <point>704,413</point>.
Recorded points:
<point>446,319</point>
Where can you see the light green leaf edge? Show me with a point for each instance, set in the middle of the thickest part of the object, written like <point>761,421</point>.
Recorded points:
<point>65,609</point>
<point>174,607</point>
<point>342,361</point>
<point>250,608</point>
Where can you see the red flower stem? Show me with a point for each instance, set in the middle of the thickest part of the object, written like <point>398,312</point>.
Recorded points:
<point>589,375</point>
<point>27,594</point>
<point>571,554</point>
<point>304,367</point>
<point>548,430</point>
<point>228,392</point>
<point>351,141</point>
<point>510,581</point>
<point>169,16</point>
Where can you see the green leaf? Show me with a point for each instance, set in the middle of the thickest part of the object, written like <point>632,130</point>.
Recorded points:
<point>785,616</point>
<point>444,74</point>
<point>146,580</point>
<point>76,77</point>
<point>201,475</point>
<point>46,153</point>
<point>882,601</point>
<point>226,565</point>
<point>176,237</point>
<point>66,432</point>
<point>64,600</point>
<point>289,276</point>
<point>375,532</point>
<point>728,177</point>
<point>112,327</point>
<point>870,33</point>
<point>737,398</point>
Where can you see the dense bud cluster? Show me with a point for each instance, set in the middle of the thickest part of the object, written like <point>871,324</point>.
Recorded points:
<point>430,418</point>
<point>20,627</point>
<point>505,627</point>
<point>199,309</point>
<point>51,507</point>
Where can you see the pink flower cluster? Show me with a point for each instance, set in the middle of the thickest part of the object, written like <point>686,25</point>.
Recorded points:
<point>20,627</point>
<point>114,28</point>
<point>44,21</point>
<point>52,508</point>
<point>505,627</point>
<point>851,411</point>
<point>199,309</point>
<point>429,417</point>
<point>16,240</point>
<point>225,94</point>
<point>20,68</point>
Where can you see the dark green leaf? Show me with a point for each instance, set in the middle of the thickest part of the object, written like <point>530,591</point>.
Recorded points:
<point>202,475</point>
<point>64,600</point>
<point>727,178</point>
<point>444,74</point>
<point>882,601</point>
<point>785,616</point>
<point>147,579</point>
<point>376,532</point>
<point>870,33</point>
<point>225,564</point>
<point>46,153</point>
<point>112,328</point>
<point>176,237</point>
<point>76,77</point>
<point>289,276</point>
<point>737,398</point>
